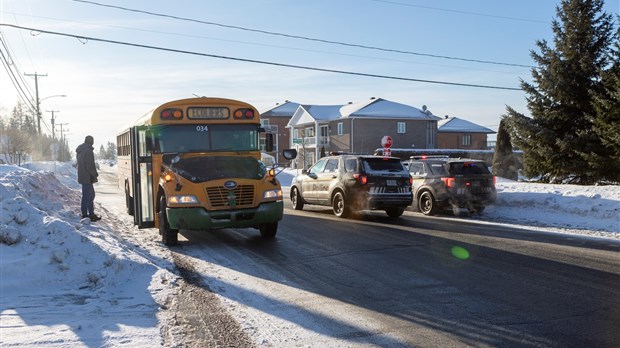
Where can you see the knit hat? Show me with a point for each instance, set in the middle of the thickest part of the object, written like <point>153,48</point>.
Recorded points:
<point>89,140</point>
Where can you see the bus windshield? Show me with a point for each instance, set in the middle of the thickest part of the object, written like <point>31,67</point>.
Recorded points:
<point>205,138</point>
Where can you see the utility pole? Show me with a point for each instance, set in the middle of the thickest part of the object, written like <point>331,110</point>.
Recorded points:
<point>62,142</point>
<point>38,102</point>
<point>53,127</point>
<point>62,136</point>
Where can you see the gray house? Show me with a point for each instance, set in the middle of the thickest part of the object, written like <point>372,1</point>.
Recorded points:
<point>359,127</point>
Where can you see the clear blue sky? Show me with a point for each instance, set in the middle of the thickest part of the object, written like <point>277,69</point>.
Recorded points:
<point>109,86</point>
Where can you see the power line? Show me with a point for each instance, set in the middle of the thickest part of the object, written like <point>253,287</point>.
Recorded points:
<point>267,45</point>
<point>10,62</point>
<point>7,63</point>
<point>459,11</point>
<point>27,98</point>
<point>302,37</point>
<point>80,37</point>
<point>14,62</point>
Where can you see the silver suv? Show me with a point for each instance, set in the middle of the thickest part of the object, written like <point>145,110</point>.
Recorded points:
<point>350,183</point>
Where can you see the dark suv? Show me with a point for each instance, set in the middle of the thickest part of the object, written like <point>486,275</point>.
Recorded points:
<point>455,183</point>
<point>350,183</point>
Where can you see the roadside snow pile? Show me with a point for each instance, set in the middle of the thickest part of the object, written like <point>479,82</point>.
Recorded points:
<point>592,208</point>
<point>51,260</point>
<point>64,171</point>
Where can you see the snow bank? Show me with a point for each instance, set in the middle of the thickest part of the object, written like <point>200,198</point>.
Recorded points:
<point>591,210</point>
<point>63,274</point>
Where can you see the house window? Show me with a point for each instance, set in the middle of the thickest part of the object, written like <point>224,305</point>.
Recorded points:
<point>466,140</point>
<point>401,128</point>
<point>264,122</point>
<point>340,128</point>
<point>324,132</point>
<point>309,132</point>
<point>430,134</point>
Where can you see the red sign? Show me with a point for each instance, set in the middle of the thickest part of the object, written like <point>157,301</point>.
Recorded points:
<point>386,141</point>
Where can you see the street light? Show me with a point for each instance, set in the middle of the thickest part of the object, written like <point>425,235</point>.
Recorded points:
<point>55,95</point>
<point>39,108</point>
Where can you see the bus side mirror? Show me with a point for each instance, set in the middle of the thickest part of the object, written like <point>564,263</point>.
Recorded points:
<point>171,158</point>
<point>268,142</point>
<point>289,154</point>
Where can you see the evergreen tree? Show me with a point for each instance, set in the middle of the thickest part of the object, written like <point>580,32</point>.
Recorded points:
<point>607,106</point>
<point>559,141</point>
<point>505,163</point>
<point>101,154</point>
<point>111,151</point>
<point>64,153</point>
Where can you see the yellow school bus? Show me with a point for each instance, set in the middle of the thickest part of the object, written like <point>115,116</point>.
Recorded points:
<point>196,164</point>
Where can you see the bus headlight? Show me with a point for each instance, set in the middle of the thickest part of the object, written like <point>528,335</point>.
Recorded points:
<point>183,199</point>
<point>272,194</point>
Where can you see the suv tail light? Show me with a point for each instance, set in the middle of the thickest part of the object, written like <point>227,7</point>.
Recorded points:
<point>362,179</point>
<point>449,182</point>
<point>410,180</point>
<point>494,180</point>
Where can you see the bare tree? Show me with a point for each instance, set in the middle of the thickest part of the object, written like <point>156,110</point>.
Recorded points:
<point>16,146</point>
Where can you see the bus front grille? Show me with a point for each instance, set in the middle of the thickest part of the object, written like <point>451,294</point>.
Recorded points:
<point>240,196</point>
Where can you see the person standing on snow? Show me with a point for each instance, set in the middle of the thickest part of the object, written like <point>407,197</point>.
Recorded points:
<point>87,176</point>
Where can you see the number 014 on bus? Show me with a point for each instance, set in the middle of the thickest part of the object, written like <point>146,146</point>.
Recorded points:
<point>196,164</point>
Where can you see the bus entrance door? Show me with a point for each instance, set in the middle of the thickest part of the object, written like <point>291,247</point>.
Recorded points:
<point>142,177</point>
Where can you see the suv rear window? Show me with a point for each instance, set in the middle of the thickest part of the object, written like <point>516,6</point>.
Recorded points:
<point>438,168</point>
<point>465,168</point>
<point>381,164</point>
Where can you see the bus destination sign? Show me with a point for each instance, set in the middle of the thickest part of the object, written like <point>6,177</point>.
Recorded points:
<point>208,113</point>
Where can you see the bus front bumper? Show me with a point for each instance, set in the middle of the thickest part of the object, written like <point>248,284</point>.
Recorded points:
<point>201,219</point>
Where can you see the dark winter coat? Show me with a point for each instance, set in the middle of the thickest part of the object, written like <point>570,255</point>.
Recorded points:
<point>86,168</point>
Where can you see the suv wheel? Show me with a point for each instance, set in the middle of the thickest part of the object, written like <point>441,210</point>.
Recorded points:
<point>394,212</point>
<point>426,203</point>
<point>339,206</point>
<point>476,209</point>
<point>298,202</point>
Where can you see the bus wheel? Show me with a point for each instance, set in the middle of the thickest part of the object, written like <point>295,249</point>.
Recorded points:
<point>128,200</point>
<point>268,230</point>
<point>169,236</point>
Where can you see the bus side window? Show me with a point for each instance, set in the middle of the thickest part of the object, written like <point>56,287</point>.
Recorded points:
<point>149,141</point>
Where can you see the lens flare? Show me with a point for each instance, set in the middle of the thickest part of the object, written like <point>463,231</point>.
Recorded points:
<point>460,253</point>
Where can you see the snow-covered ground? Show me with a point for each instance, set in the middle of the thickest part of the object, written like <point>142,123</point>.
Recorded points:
<point>65,282</point>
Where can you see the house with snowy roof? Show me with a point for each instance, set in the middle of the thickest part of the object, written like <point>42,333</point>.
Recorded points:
<point>456,133</point>
<point>275,120</point>
<point>359,127</point>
